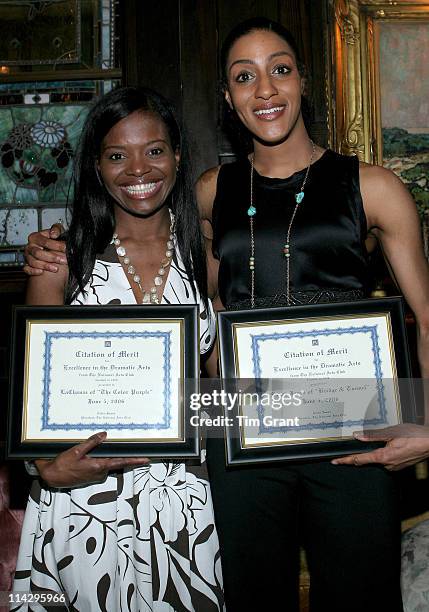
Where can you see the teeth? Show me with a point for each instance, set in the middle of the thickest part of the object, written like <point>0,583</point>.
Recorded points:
<point>268,111</point>
<point>141,188</point>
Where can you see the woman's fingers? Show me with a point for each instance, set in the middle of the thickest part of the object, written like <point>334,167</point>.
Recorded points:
<point>119,463</point>
<point>56,230</point>
<point>43,251</point>
<point>74,467</point>
<point>30,271</point>
<point>105,464</point>
<point>360,459</point>
<point>55,248</point>
<point>82,449</point>
<point>39,260</point>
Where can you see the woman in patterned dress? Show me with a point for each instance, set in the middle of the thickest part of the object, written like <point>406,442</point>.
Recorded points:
<point>120,534</point>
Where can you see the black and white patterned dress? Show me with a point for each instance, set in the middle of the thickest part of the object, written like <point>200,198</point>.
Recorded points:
<point>145,539</point>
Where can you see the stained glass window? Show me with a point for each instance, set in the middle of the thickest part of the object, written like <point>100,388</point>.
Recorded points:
<point>60,34</point>
<point>55,58</point>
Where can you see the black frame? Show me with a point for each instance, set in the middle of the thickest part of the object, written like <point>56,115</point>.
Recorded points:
<point>297,451</point>
<point>189,448</point>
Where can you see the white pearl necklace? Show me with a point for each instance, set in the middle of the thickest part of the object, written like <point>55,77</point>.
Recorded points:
<point>151,296</point>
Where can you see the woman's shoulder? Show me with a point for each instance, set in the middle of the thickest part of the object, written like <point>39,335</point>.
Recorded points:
<point>371,173</point>
<point>219,178</point>
<point>47,288</point>
<point>384,195</point>
<point>205,190</point>
<point>378,183</point>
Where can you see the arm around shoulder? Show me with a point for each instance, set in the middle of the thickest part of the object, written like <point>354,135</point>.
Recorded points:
<point>47,289</point>
<point>205,190</point>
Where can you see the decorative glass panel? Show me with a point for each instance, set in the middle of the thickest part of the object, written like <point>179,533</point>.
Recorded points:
<point>16,224</point>
<point>65,34</point>
<point>53,215</point>
<point>40,32</point>
<point>38,138</point>
<point>36,151</point>
<point>41,119</point>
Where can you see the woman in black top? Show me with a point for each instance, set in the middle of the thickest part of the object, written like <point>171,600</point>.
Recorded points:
<point>289,222</point>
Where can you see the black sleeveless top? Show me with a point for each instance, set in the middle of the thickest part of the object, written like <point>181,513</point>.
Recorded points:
<point>328,260</point>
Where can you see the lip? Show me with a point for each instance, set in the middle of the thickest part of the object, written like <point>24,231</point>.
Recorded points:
<point>269,112</point>
<point>141,191</point>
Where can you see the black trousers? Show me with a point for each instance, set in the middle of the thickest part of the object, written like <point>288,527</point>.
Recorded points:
<point>345,517</point>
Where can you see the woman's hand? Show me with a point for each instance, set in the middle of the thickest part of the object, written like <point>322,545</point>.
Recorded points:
<point>407,444</point>
<point>44,250</point>
<point>73,467</point>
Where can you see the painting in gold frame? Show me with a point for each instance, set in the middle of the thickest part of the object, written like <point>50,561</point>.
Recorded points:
<point>379,83</point>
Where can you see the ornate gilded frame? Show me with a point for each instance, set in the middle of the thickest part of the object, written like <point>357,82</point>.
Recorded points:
<point>353,77</point>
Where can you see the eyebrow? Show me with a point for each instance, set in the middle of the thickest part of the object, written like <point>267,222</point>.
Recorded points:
<point>113,146</point>
<point>270,57</point>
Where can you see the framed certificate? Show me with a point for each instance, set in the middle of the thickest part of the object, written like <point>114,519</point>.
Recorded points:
<point>298,381</point>
<point>126,370</point>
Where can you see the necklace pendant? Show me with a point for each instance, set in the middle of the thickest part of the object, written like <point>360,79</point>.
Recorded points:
<point>251,211</point>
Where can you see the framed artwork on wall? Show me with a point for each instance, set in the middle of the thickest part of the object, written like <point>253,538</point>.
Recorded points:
<point>379,107</point>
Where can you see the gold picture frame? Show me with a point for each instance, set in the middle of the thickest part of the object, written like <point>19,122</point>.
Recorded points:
<point>353,76</point>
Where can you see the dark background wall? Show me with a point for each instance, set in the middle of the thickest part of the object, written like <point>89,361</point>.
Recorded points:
<point>174,47</point>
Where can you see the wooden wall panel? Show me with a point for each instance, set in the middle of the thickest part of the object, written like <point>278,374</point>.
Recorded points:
<point>294,16</point>
<point>151,44</point>
<point>198,46</point>
<point>319,95</point>
<point>229,15</point>
<point>174,47</point>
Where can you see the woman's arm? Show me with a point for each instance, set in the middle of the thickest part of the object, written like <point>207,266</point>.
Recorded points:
<point>47,289</point>
<point>392,212</point>
<point>44,251</point>
<point>205,190</point>
<point>74,467</point>
<point>390,208</point>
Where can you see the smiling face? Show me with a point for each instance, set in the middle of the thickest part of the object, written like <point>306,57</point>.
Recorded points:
<point>137,163</point>
<point>264,85</point>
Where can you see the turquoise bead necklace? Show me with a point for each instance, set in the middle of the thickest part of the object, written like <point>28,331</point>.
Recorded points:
<point>251,211</point>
